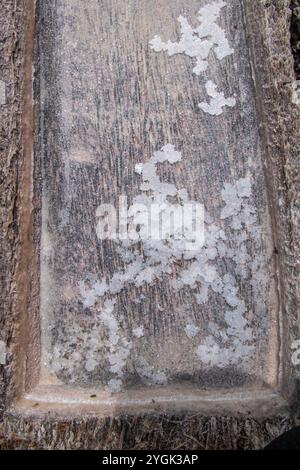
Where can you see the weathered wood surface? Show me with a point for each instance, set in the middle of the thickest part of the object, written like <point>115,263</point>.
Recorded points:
<point>109,102</point>
<point>267,27</point>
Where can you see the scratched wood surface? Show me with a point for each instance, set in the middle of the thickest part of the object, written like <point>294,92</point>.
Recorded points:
<point>108,102</point>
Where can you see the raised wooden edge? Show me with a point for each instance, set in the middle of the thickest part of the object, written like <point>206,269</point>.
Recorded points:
<point>268,25</point>
<point>67,401</point>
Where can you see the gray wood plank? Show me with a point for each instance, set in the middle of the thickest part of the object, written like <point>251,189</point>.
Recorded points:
<point>109,102</point>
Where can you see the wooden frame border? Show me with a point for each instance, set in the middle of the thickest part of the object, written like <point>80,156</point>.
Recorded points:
<point>267,25</point>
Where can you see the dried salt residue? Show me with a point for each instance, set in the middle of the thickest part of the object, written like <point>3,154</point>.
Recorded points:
<point>191,330</point>
<point>138,332</point>
<point>116,348</point>
<point>238,336</point>
<point>149,375</point>
<point>217,102</point>
<point>2,353</point>
<point>158,255</point>
<point>197,43</point>
<point>223,346</point>
<point>234,344</point>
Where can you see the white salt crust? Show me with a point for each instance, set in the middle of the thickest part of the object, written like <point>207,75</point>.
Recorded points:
<point>191,330</point>
<point>231,345</point>
<point>296,92</point>
<point>217,101</point>
<point>198,43</point>
<point>149,375</point>
<point>2,353</point>
<point>138,332</point>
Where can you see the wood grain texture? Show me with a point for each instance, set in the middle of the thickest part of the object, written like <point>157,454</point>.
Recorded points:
<point>108,103</point>
<point>268,35</point>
